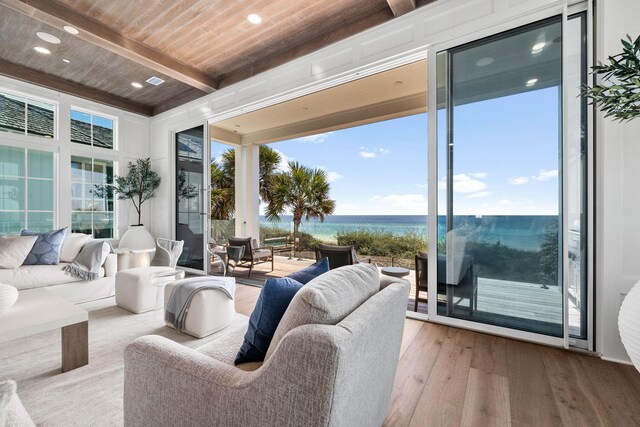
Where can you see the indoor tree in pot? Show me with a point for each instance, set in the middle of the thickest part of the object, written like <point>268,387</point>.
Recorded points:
<point>618,96</point>
<point>138,185</point>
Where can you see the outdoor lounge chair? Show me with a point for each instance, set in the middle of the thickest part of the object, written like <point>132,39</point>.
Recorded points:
<point>252,254</point>
<point>456,287</point>
<point>338,255</point>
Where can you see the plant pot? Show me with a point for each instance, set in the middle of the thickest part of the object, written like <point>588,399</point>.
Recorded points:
<point>8,297</point>
<point>136,238</point>
<point>629,324</point>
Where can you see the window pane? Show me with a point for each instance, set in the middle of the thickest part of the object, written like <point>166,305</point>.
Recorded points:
<point>81,223</point>
<point>102,132</point>
<point>40,195</point>
<point>12,113</point>
<point>40,119</point>
<point>11,222</point>
<point>40,221</point>
<point>80,127</point>
<point>103,225</point>
<point>40,164</point>
<point>11,194</point>
<point>11,161</point>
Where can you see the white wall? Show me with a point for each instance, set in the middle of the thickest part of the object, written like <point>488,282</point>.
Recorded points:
<point>132,140</point>
<point>400,40</point>
<point>618,193</point>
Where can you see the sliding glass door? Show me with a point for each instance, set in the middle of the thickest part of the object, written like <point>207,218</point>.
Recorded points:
<point>511,143</point>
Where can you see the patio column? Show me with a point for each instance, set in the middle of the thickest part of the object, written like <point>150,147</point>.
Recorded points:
<point>247,191</point>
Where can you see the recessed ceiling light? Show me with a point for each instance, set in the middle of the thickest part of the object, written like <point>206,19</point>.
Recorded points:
<point>49,38</point>
<point>537,48</point>
<point>531,82</point>
<point>42,50</point>
<point>153,80</point>
<point>254,19</point>
<point>136,85</point>
<point>71,30</point>
<point>483,62</point>
<point>65,60</point>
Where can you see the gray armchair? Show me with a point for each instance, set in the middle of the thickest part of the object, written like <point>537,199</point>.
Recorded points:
<point>337,370</point>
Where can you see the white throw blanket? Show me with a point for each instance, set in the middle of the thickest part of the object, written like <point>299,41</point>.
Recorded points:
<point>87,264</point>
<point>182,295</point>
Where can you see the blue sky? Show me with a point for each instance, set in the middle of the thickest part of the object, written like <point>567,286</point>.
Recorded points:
<point>506,160</point>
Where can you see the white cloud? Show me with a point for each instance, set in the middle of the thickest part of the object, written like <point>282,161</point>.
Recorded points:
<point>315,139</point>
<point>425,185</point>
<point>479,195</point>
<point>545,175</point>
<point>479,175</point>
<point>518,180</point>
<point>370,153</point>
<point>464,183</point>
<point>400,204</point>
<point>333,176</point>
<point>283,166</point>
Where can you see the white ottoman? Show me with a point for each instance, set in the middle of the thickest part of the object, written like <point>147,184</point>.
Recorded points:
<point>134,290</point>
<point>210,310</point>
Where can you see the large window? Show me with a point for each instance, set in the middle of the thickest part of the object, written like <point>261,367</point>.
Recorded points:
<point>89,129</point>
<point>26,116</point>
<point>92,204</point>
<point>26,190</point>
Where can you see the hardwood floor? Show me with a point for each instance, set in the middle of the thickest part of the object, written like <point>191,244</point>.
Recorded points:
<point>453,377</point>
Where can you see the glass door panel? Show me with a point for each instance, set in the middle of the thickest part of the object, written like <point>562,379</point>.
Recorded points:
<point>191,197</point>
<point>499,189</point>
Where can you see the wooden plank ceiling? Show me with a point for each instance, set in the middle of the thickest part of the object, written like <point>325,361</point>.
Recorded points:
<point>196,46</point>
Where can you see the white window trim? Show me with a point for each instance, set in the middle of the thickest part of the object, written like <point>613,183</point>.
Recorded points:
<point>93,113</point>
<point>28,97</point>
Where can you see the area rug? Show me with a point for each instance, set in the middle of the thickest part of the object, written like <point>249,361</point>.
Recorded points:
<point>90,395</point>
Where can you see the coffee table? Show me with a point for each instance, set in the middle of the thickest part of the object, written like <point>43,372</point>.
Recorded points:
<point>38,310</point>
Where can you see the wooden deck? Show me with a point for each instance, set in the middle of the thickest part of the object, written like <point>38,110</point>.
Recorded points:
<point>517,300</point>
<point>453,377</point>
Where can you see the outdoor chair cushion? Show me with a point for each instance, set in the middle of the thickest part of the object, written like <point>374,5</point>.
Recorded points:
<point>261,253</point>
<point>272,303</point>
<point>328,299</point>
<point>307,274</point>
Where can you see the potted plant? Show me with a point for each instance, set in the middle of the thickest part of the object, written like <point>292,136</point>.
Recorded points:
<point>138,185</point>
<point>618,96</point>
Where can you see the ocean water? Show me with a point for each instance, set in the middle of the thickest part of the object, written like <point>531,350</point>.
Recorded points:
<point>524,232</point>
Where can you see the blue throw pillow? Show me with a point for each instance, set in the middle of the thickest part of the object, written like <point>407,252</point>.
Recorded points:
<point>270,307</point>
<point>307,274</point>
<point>46,249</point>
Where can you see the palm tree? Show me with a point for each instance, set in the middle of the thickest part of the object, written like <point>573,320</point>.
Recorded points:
<point>303,191</point>
<point>223,180</point>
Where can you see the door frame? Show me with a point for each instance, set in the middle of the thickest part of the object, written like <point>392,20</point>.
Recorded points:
<point>564,341</point>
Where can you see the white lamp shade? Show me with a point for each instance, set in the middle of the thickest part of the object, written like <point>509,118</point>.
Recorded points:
<point>8,297</point>
<point>629,324</point>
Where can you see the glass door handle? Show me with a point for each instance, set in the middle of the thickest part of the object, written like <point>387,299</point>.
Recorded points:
<point>203,197</point>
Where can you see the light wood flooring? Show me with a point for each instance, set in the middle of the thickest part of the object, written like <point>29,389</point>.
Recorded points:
<point>453,377</point>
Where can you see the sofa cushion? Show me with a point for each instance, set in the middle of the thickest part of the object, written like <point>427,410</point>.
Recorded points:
<point>46,249</point>
<point>270,307</point>
<point>72,245</point>
<point>7,391</point>
<point>14,250</point>
<point>38,276</point>
<point>328,299</point>
<point>307,274</point>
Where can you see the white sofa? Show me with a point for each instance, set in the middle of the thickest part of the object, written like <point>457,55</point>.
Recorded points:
<point>59,283</point>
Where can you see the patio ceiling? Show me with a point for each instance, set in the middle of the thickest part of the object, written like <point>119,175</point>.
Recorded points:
<point>391,94</point>
<point>196,46</point>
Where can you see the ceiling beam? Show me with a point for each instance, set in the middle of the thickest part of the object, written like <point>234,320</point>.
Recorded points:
<point>57,15</point>
<point>36,77</point>
<point>400,7</point>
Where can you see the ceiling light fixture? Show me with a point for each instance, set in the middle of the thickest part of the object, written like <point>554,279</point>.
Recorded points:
<point>42,50</point>
<point>71,30</point>
<point>531,82</point>
<point>136,85</point>
<point>153,80</point>
<point>254,19</point>
<point>537,48</point>
<point>483,62</point>
<point>65,60</point>
<point>49,38</point>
